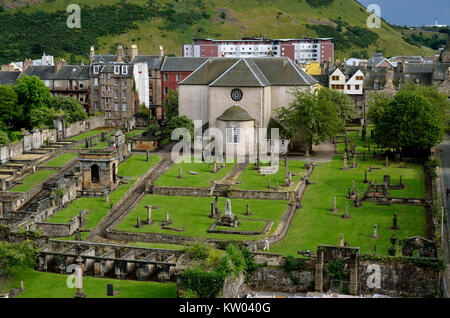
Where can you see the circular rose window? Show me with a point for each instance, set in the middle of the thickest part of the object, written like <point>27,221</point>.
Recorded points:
<point>236,94</point>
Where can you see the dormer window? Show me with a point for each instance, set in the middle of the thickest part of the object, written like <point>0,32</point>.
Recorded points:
<point>116,69</point>
<point>124,69</point>
<point>96,69</point>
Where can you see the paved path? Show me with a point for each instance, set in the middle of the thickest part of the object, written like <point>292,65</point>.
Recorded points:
<point>320,154</point>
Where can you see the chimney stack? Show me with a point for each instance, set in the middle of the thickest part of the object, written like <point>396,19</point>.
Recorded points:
<point>161,51</point>
<point>134,52</point>
<point>26,64</point>
<point>92,53</point>
<point>59,65</point>
<point>120,55</point>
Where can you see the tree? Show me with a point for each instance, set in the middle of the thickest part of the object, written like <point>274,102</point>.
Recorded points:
<point>377,103</point>
<point>10,113</point>
<point>409,123</point>
<point>73,110</point>
<point>32,94</point>
<point>181,122</point>
<point>343,102</point>
<point>171,104</point>
<point>311,116</point>
<point>17,255</point>
<point>42,117</point>
<point>3,138</point>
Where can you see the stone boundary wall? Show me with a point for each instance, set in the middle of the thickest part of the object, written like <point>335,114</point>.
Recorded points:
<point>174,191</point>
<point>37,138</point>
<point>263,195</point>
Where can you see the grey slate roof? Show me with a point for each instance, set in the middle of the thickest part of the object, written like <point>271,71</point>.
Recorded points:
<point>235,113</point>
<point>418,68</point>
<point>67,72</point>
<point>154,62</point>
<point>107,59</point>
<point>376,58</point>
<point>249,72</point>
<point>182,64</point>
<point>8,77</point>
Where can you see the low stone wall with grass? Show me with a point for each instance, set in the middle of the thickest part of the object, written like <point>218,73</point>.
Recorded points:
<point>83,126</point>
<point>62,229</point>
<point>173,191</point>
<point>264,195</point>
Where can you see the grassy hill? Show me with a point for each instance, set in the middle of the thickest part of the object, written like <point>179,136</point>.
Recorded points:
<point>171,23</point>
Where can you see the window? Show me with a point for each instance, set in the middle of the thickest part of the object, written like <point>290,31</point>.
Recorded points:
<point>116,94</point>
<point>95,93</point>
<point>166,90</point>
<point>166,77</point>
<point>233,134</point>
<point>116,107</point>
<point>95,81</point>
<point>359,78</point>
<point>124,69</point>
<point>95,174</point>
<point>109,76</point>
<point>335,78</point>
<point>124,94</point>
<point>349,86</point>
<point>116,69</point>
<point>124,82</point>
<point>116,81</point>
<point>124,107</point>
<point>178,77</point>
<point>47,83</point>
<point>356,87</point>
<point>96,105</point>
<point>151,99</point>
<point>149,73</point>
<point>96,69</point>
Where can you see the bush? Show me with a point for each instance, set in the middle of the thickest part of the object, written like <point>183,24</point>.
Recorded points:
<point>17,255</point>
<point>320,3</point>
<point>4,140</point>
<point>199,249</point>
<point>293,264</point>
<point>202,283</point>
<point>336,269</point>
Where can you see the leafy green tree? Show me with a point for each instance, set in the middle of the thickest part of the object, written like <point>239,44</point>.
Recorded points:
<point>180,122</point>
<point>73,110</point>
<point>10,112</point>
<point>171,104</point>
<point>32,94</point>
<point>409,123</point>
<point>42,117</point>
<point>3,138</point>
<point>345,105</point>
<point>18,255</point>
<point>376,104</point>
<point>311,116</point>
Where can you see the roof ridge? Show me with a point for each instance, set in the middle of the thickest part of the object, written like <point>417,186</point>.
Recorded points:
<point>254,74</point>
<point>223,74</point>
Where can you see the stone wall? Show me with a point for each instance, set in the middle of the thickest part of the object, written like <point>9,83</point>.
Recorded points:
<point>234,287</point>
<point>173,191</point>
<point>83,126</point>
<point>277,280</point>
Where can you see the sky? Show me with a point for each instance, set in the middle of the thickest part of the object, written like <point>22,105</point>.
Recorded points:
<point>413,12</point>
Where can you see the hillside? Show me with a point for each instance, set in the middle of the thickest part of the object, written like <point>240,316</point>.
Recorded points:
<point>40,26</point>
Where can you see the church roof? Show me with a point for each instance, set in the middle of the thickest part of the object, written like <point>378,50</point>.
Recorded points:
<point>235,113</point>
<point>249,72</point>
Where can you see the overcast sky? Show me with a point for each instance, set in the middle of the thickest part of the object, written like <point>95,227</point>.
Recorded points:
<point>413,12</point>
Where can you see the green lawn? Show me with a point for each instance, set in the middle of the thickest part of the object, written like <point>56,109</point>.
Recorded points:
<point>192,214</point>
<point>357,137</point>
<point>159,245</point>
<point>133,133</point>
<point>100,145</point>
<point>86,135</point>
<point>49,285</point>
<point>202,180</point>
<point>33,180</point>
<point>61,161</point>
<point>252,180</point>
<point>131,169</point>
<point>313,224</point>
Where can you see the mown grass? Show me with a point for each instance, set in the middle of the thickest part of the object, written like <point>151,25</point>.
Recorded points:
<point>202,180</point>
<point>251,179</point>
<point>49,285</point>
<point>86,135</point>
<point>61,160</point>
<point>314,224</point>
<point>33,180</point>
<point>192,214</point>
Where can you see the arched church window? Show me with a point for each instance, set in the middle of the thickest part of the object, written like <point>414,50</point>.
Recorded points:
<point>236,94</point>
<point>233,133</point>
<point>95,174</point>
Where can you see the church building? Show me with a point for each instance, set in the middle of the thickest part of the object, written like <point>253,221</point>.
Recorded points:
<point>241,94</point>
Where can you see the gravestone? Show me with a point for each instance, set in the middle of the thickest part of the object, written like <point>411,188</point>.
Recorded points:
<point>394,223</point>
<point>103,136</point>
<point>354,164</point>
<point>387,162</point>
<point>387,180</point>
<point>109,290</point>
<point>212,214</point>
<point>353,187</point>
<point>216,206</point>
<point>79,270</point>
<point>247,212</point>
<point>268,184</point>
<point>345,166</point>
<point>341,240</point>
<point>147,159</point>
<point>229,219</point>
<point>375,234</point>
<point>180,174</point>
<point>138,222</point>
<point>346,215</point>
<point>357,200</point>
<point>334,209</point>
<point>365,177</point>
